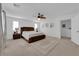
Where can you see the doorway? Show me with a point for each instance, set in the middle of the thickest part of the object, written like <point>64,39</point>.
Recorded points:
<point>66,29</point>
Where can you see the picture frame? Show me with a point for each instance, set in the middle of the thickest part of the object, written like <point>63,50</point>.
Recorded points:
<point>51,25</point>
<point>47,25</point>
<point>43,25</point>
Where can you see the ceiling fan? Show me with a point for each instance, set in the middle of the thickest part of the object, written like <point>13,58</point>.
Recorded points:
<point>41,16</point>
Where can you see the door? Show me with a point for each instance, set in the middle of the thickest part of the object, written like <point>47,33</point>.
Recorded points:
<point>66,28</point>
<point>75,29</point>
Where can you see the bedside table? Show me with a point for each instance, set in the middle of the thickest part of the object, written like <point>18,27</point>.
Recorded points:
<point>16,36</point>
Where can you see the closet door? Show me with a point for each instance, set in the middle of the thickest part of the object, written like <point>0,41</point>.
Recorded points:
<point>1,31</point>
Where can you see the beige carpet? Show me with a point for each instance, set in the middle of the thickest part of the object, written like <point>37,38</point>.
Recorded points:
<point>47,47</point>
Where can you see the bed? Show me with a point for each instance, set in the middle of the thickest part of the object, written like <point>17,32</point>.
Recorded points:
<point>28,34</point>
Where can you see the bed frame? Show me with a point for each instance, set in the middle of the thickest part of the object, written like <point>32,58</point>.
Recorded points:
<point>32,39</point>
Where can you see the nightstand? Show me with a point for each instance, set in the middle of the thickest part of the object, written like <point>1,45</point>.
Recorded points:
<point>16,36</point>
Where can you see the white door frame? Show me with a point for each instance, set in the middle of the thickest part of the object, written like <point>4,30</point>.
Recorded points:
<point>61,29</point>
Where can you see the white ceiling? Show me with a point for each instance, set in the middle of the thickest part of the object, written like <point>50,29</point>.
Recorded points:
<point>50,10</point>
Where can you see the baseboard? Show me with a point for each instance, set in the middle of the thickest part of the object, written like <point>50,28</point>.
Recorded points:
<point>52,37</point>
<point>66,37</point>
<point>76,42</point>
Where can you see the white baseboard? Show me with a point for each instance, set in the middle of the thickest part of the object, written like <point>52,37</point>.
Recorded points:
<point>76,42</point>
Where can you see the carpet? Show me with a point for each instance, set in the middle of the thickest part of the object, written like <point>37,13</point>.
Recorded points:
<point>45,46</point>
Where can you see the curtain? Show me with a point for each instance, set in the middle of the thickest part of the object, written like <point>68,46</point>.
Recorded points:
<point>1,31</point>
<point>4,27</point>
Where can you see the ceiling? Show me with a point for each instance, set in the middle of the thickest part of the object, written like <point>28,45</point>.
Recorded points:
<point>30,10</point>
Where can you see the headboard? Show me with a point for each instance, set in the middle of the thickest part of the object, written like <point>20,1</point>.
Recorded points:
<point>26,29</point>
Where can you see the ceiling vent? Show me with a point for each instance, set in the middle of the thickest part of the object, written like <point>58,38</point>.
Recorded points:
<point>16,5</point>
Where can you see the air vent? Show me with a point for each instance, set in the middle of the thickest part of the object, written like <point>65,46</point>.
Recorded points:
<point>16,5</point>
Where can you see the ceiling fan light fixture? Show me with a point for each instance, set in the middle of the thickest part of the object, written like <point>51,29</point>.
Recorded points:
<point>41,16</point>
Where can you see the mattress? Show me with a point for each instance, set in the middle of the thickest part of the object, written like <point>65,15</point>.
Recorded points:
<point>29,34</point>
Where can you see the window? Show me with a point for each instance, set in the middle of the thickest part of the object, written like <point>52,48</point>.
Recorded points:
<point>35,26</point>
<point>15,25</point>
